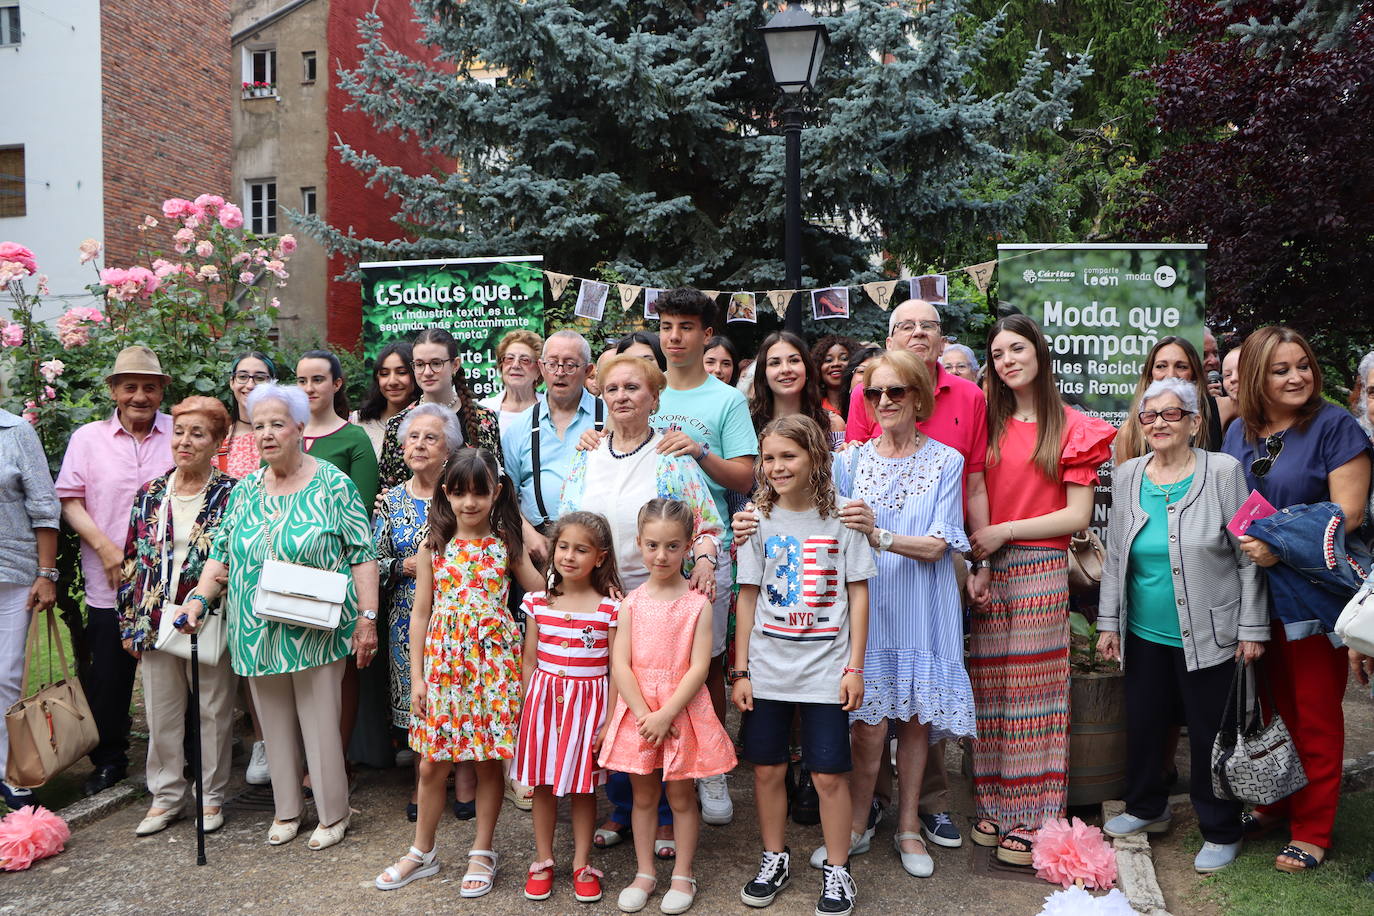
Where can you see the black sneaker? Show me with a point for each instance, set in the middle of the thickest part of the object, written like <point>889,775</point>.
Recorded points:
<point>837,892</point>
<point>940,830</point>
<point>774,873</point>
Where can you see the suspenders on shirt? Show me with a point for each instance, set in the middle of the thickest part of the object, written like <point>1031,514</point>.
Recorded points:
<point>598,422</point>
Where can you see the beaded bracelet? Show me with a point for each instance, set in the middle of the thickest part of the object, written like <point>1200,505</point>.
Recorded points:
<point>858,671</point>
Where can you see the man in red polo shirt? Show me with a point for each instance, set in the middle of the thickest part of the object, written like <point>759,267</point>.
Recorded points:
<point>959,420</point>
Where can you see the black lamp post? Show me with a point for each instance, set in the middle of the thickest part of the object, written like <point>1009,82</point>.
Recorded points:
<point>796,46</point>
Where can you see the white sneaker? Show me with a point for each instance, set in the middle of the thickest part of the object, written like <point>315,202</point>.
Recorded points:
<point>714,794</point>
<point>258,774</point>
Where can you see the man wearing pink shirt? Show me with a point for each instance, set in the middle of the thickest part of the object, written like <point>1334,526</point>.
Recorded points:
<point>959,420</point>
<point>105,464</point>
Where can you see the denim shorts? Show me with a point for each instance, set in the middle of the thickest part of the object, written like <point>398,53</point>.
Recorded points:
<point>766,732</point>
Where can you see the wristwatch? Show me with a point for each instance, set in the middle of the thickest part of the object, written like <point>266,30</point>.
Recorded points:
<point>976,565</point>
<point>368,615</point>
<point>739,674</point>
<point>705,450</point>
<point>48,572</point>
<point>884,539</point>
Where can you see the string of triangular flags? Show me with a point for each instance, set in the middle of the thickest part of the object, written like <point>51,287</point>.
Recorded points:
<point>826,302</point>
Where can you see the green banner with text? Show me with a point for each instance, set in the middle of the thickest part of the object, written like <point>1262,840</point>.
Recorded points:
<point>477,300</point>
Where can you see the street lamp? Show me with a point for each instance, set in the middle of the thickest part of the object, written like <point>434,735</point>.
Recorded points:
<point>796,46</point>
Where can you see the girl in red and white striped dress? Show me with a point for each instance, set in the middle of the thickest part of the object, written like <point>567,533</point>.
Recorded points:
<point>569,631</point>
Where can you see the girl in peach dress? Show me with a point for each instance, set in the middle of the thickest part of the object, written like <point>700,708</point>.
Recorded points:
<point>664,730</point>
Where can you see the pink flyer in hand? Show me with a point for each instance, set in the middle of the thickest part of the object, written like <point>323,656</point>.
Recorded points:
<point>1255,506</point>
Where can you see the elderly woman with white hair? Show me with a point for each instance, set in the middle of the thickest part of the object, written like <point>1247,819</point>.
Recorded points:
<point>959,360</point>
<point>303,511</point>
<point>429,434</point>
<point>1184,604</point>
<point>1364,387</point>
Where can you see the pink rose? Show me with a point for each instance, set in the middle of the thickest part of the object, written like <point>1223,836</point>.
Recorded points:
<point>239,258</point>
<point>183,239</point>
<point>208,273</point>
<point>278,268</point>
<point>162,268</point>
<point>287,244</point>
<point>12,335</point>
<point>204,248</point>
<point>149,222</point>
<point>210,203</point>
<point>177,208</point>
<point>30,412</point>
<point>49,392</point>
<point>13,251</point>
<point>90,250</point>
<point>246,277</point>
<point>51,369</point>
<point>128,285</point>
<point>275,303</point>
<point>230,217</point>
<point>43,289</point>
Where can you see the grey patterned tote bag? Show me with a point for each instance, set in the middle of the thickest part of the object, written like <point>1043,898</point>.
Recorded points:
<point>1254,761</point>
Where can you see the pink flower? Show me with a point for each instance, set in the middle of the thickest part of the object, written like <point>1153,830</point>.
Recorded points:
<point>49,392</point>
<point>230,217</point>
<point>278,268</point>
<point>177,208</point>
<point>128,285</point>
<point>149,222</point>
<point>13,251</point>
<point>73,328</point>
<point>11,270</point>
<point>51,369</point>
<point>31,414</point>
<point>12,335</point>
<point>183,239</point>
<point>240,257</point>
<point>31,833</point>
<point>246,277</point>
<point>43,289</point>
<point>204,248</point>
<point>287,244</point>
<point>162,268</point>
<point>210,203</point>
<point>90,250</point>
<point>1068,852</point>
<point>275,303</point>
<point>208,273</point>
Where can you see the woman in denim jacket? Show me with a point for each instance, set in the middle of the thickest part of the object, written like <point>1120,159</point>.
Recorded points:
<point>1189,602</point>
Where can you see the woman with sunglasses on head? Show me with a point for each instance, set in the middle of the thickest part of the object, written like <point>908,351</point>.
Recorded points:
<point>1170,357</point>
<point>393,390</point>
<point>517,358</point>
<point>1184,602</point>
<point>440,375</point>
<point>1299,450</point>
<point>1042,466</point>
<point>238,455</point>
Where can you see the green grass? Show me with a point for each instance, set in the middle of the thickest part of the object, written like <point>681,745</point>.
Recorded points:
<point>1253,887</point>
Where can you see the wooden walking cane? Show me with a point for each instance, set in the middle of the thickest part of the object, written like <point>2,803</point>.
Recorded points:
<point>195,740</point>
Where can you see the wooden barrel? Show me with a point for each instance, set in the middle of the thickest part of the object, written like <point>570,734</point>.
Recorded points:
<point>1097,737</point>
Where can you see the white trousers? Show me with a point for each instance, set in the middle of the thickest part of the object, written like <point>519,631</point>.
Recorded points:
<point>14,628</point>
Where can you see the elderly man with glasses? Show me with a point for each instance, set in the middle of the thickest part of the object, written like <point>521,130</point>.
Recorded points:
<point>539,443</point>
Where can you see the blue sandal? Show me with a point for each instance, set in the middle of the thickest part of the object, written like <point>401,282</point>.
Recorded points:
<point>1309,861</point>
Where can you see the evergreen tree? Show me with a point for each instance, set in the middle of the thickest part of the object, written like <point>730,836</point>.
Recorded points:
<point>643,137</point>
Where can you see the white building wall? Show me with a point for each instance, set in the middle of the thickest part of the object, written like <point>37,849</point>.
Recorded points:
<point>53,79</point>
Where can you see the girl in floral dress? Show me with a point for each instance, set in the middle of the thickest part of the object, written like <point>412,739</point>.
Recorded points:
<point>664,731</point>
<point>465,658</point>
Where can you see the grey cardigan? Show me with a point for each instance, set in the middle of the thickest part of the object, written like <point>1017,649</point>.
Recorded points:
<point>1220,594</point>
<point>27,499</point>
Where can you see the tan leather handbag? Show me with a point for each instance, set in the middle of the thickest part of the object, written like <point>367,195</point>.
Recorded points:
<point>1085,561</point>
<point>51,728</point>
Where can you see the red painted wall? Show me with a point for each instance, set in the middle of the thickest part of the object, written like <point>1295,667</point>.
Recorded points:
<point>349,204</point>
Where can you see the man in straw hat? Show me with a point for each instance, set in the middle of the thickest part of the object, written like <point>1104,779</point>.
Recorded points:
<point>105,464</point>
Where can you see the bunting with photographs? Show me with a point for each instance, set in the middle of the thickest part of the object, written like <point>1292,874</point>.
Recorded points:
<point>881,292</point>
<point>778,299</point>
<point>629,295</point>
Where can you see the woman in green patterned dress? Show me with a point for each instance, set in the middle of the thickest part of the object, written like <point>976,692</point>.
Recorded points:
<point>317,519</point>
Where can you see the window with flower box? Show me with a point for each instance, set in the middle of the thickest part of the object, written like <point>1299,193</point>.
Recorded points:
<point>259,72</point>
<point>262,206</point>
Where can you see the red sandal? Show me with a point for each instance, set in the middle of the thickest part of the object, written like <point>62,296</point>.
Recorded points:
<point>539,888</point>
<point>587,884</point>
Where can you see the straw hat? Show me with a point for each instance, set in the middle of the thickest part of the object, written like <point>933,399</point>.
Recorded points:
<point>137,361</point>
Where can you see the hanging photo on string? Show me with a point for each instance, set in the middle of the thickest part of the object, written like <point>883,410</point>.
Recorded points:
<point>742,307</point>
<point>591,299</point>
<point>650,298</point>
<point>933,288</point>
<point>830,303</point>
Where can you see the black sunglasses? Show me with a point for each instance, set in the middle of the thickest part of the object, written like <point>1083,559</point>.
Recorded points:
<point>895,393</point>
<point>1273,447</point>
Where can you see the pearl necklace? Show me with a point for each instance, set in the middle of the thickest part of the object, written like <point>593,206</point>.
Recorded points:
<point>194,497</point>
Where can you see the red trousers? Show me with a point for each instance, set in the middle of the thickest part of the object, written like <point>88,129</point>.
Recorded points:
<point>1309,678</point>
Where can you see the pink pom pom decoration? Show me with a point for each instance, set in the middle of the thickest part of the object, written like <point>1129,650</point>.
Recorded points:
<point>1068,853</point>
<point>29,834</point>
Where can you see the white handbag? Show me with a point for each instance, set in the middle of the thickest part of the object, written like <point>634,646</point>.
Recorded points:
<point>1355,626</point>
<point>213,638</point>
<point>294,594</point>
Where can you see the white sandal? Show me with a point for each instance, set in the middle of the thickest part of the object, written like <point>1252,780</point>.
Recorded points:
<point>426,864</point>
<point>675,901</point>
<point>282,833</point>
<point>633,899</point>
<point>485,878</point>
<point>324,837</point>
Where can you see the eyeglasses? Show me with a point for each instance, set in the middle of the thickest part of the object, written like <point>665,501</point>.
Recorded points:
<point>895,393</point>
<point>257,378</point>
<point>1170,414</point>
<point>554,367</point>
<point>1273,447</point>
<point>517,359</point>
<point>909,327</point>
<point>433,365</point>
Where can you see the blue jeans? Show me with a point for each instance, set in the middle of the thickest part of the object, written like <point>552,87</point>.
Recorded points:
<point>621,797</point>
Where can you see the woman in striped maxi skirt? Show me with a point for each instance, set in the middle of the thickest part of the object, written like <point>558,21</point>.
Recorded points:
<point>1042,466</point>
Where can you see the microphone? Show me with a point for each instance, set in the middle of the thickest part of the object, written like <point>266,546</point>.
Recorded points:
<point>1213,378</point>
